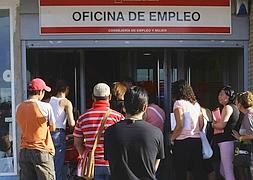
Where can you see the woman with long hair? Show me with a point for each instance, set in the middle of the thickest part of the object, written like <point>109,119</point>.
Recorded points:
<point>187,149</point>
<point>117,100</point>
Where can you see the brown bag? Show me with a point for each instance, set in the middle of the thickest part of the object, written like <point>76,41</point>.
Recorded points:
<point>86,165</point>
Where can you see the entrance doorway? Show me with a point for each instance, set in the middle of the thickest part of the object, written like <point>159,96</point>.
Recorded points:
<point>53,65</point>
<point>83,68</point>
<point>207,69</point>
<point>113,65</point>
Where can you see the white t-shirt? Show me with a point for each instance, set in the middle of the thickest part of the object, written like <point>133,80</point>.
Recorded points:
<point>191,118</point>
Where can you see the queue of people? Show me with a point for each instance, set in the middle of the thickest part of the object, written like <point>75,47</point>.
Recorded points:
<point>132,143</point>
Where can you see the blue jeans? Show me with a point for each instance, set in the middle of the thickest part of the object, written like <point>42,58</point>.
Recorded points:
<point>101,173</point>
<point>60,149</point>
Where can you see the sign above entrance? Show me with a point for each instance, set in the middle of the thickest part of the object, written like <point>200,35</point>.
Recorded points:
<point>135,16</point>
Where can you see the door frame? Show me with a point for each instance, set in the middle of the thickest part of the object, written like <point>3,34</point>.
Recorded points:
<point>135,44</point>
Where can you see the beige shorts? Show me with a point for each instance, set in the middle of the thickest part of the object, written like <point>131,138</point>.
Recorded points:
<point>36,165</point>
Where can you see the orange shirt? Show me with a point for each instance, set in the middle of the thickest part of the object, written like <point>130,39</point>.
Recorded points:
<point>35,131</point>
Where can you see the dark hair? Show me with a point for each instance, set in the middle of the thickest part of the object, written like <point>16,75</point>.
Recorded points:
<point>152,98</point>
<point>230,93</point>
<point>128,82</point>
<point>134,100</point>
<point>182,90</point>
<point>61,86</point>
<point>33,92</point>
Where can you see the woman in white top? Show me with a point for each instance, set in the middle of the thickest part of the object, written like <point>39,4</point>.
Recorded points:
<point>187,149</point>
<point>63,111</point>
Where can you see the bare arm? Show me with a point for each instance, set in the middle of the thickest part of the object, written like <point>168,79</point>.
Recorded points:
<point>179,116</point>
<point>69,112</point>
<point>51,119</point>
<point>225,115</point>
<point>246,137</point>
<point>52,126</point>
<point>78,143</point>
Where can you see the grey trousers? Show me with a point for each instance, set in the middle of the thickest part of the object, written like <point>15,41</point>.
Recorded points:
<point>36,165</point>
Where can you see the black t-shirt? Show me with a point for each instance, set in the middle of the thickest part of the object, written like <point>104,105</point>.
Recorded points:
<point>231,124</point>
<point>132,148</point>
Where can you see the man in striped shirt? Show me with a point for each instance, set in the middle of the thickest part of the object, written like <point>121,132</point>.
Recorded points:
<point>88,124</point>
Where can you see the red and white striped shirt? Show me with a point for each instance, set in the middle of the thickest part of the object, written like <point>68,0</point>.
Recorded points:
<point>88,124</point>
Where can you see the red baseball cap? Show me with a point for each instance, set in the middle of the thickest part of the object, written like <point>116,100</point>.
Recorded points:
<point>38,84</point>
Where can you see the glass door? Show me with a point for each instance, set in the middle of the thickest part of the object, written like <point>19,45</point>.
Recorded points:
<point>143,66</point>
<point>55,64</point>
<point>149,73</point>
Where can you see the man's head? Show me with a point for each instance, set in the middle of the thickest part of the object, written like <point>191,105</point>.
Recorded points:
<point>38,84</point>
<point>61,87</point>
<point>101,91</point>
<point>135,100</point>
<point>37,87</point>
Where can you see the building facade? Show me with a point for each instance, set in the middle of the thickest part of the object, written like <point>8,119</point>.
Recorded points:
<point>10,86</point>
<point>251,48</point>
<point>38,40</point>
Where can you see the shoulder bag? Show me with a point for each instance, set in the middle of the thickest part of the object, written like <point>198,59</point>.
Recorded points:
<point>207,151</point>
<point>86,164</point>
<point>206,148</point>
<point>242,154</point>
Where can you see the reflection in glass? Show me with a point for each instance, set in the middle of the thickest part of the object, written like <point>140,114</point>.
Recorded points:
<point>144,75</point>
<point>147,68</point>
<point>6,134</point>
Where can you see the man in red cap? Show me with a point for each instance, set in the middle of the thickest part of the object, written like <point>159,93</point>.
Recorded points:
<point>36,119</point>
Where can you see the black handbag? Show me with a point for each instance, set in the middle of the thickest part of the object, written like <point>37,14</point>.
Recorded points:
<point>242,154</point>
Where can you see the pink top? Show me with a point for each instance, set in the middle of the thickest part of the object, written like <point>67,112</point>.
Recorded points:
<point>155,116</point>
<point>217,117</point>
<point>191,119</point>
